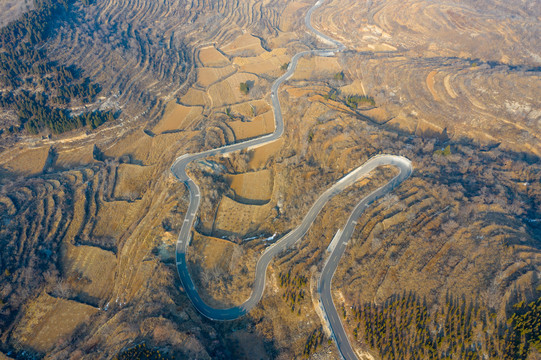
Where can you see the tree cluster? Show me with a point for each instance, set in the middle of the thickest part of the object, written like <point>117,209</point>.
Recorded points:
<point>244,88</point>
<point>313,342</point>
<point>404,328</point>
<point>140,352</point>
<point>339,76</point>
<point>356,101</point>
<point>35,114</point>
<point>294,288</point>
<point>25,68</point>
<point>352,101</point>
<point>525,332</point>
<point>34,26</point>
<point>444,152</point>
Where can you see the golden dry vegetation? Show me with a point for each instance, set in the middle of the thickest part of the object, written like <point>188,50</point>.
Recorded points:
<point>207,76</point>
<point>26,161</point>
<point>177,117</point>
<point>316,67</point>
<point>246,44</point>
<point>211,57</point>
<point>257,126</point>
<point>228,92</point>
<point>48,320</point>
<point>94,266</point>
<point>129,184</point>
<point>89,220</point>
<point>444,29</point>
<point>265,63</point>
<point>252,186</point>
<point>237,218</point>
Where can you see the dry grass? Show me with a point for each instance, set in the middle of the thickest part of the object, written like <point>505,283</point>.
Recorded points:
<point>251,346</point>
<point>380,47</point>
<point>316,67</point>
<point>132,181</point>
<point>247,109</point>
<point>255,185</point>
<point>116,217</point>
<point>48,320</point>
<point>404,122</point>
<point>261,154</point>
<point>447,29</point>
<point>223,270</point>
<point>234,217</point>
<point>243,44</point>
<point>291,14</point>
<point>210,57</point>
<point>214,252</point>
<point>282,40</point>
<point>148,150</point>
<point>207,76</point>
<point>338,143</point>
<point>228,91</point>
<point>355,88</point>
<point>70,157</point>
<point>177,117</point>
<point>260,125</point>
<point>27,161</point>
<point>96,267</point>
<point>378,114</point>
<point>448,87</point>
<point>430,81</point>
<point>297,92</point>
<point>195,97</point>
<point>266,63</point>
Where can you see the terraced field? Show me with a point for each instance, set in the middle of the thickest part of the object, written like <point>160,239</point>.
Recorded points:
<point>88,219</point>
<point>142,51</point>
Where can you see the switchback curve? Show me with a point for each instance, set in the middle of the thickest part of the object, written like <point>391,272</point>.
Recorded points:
<point>179,170</point>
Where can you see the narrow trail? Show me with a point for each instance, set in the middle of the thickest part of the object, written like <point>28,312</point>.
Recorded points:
<point>179,170</point>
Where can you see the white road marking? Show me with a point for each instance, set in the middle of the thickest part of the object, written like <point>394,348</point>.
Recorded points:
<point>402,163</point>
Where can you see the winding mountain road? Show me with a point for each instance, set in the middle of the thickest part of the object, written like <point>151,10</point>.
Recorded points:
<point>179,170</point>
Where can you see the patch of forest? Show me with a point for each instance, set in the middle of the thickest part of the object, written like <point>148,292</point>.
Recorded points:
<point>403,327</point>
<point>39,90</point>
<point>140,352</point>
<point>35,114</point>
<point>294,289</point>
<point>352,101</point>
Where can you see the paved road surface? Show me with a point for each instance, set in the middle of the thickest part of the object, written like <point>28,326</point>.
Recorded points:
<point>179,170</point>
<point>324,284</point>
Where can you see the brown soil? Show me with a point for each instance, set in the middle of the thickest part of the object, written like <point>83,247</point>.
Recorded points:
<point>92,271</point>
<point>177,117</point>
<point>228,92</point>
<point>208,76</point>
<point>236,218</point>
<point>211,57</point>
<point>244,44</point>
<point>26,161</point>
<point>260,125</point>
<point>48,319</point>
<point>430,84</point>
<point>252,186</point>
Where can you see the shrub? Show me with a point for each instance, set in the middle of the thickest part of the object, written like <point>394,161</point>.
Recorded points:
<point>244,88</point>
